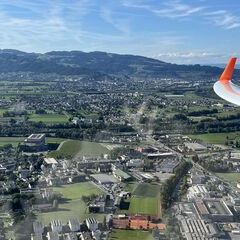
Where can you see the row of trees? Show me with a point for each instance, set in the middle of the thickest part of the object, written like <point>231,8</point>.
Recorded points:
<point>206,125</point>
<point>216,165</point>
<point>203,112</point>
<point>89,198</point>
<point>169,186</point>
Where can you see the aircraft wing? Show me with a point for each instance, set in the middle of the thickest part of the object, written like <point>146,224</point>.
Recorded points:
<point>224,87</point>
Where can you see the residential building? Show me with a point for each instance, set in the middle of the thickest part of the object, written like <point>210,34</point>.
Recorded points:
<point>56,226</point>
<point>92,224</point>
<point>74,225</point>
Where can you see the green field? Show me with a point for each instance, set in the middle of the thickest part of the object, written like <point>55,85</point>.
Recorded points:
<point>72,206</point>
<point>54,140</point>
<point>77,190</point>
<point>49,118</point>
<point>11,140</point>
<point>147,190</point>
<point>198,119</point>
<point>144,205</point>
<point>216,138</point>
<point>16,140</point>
<point>228,113</point>
<point>130,186</point>
<point>130,235</point>
<point>145,200</point>
<point>2,111</point>
<point>71,148</point>
<point>232,178</point>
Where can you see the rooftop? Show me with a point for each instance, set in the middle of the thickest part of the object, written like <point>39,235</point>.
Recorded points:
<point>73,221</point>
<point>104,178</point>
<point>216,206</point>
<point>36,136</point>
<point>122,174</point>
<point>195,146</point>
<point>50,160</point>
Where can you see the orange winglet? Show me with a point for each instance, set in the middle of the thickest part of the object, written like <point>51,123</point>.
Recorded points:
<point>228,71</point>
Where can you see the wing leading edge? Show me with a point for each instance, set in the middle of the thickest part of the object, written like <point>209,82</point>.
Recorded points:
<point>224,87</point>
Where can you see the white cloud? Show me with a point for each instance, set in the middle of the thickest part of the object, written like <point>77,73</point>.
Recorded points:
<point>169,9</point>
<point>190,55</point>
<point>223,19</point>
<point>178,9</point>
<point>41,26</point>
<point>122,25</point>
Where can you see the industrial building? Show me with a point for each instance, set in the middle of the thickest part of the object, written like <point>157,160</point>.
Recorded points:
<point>188,209</point>
<point>104,178</point>
<point>34,143</point>
<point>197,229</point>
<point>215,210</point>
<point>121,175</point>
<point>37,139</point>
<point>168,165</point>
<point>195,147</point>
<point>197,191</point>
<point>198,179</point>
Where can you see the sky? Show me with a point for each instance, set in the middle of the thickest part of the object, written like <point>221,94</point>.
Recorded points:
<point>178,31</point>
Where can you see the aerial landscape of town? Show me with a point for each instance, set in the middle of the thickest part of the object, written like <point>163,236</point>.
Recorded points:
<point>102,157</point>
<point>119,120</point>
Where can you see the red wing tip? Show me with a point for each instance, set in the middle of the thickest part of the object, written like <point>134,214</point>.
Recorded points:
<point>228,71</point>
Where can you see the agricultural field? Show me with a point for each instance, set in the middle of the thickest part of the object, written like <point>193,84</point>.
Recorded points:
<point>216,138</point>
<point>130,235</point>
<point>191,95</point>
<point>72,148</point>
<point>49,118</point>
<point>72,204</point>
<point>145,200</point>
<point>232,178</point>
<point>11,140</point>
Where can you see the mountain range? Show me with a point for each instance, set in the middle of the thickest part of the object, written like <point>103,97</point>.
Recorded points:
<point>100,63</point>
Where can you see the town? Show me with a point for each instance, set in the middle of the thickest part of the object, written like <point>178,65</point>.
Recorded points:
<point>119,120</point>
<point>118,163</point>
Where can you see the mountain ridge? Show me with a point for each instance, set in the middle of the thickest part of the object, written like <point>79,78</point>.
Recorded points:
<point>100,63</point>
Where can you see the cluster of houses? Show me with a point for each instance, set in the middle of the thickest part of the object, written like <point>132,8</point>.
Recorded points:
<point>73,230</point>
